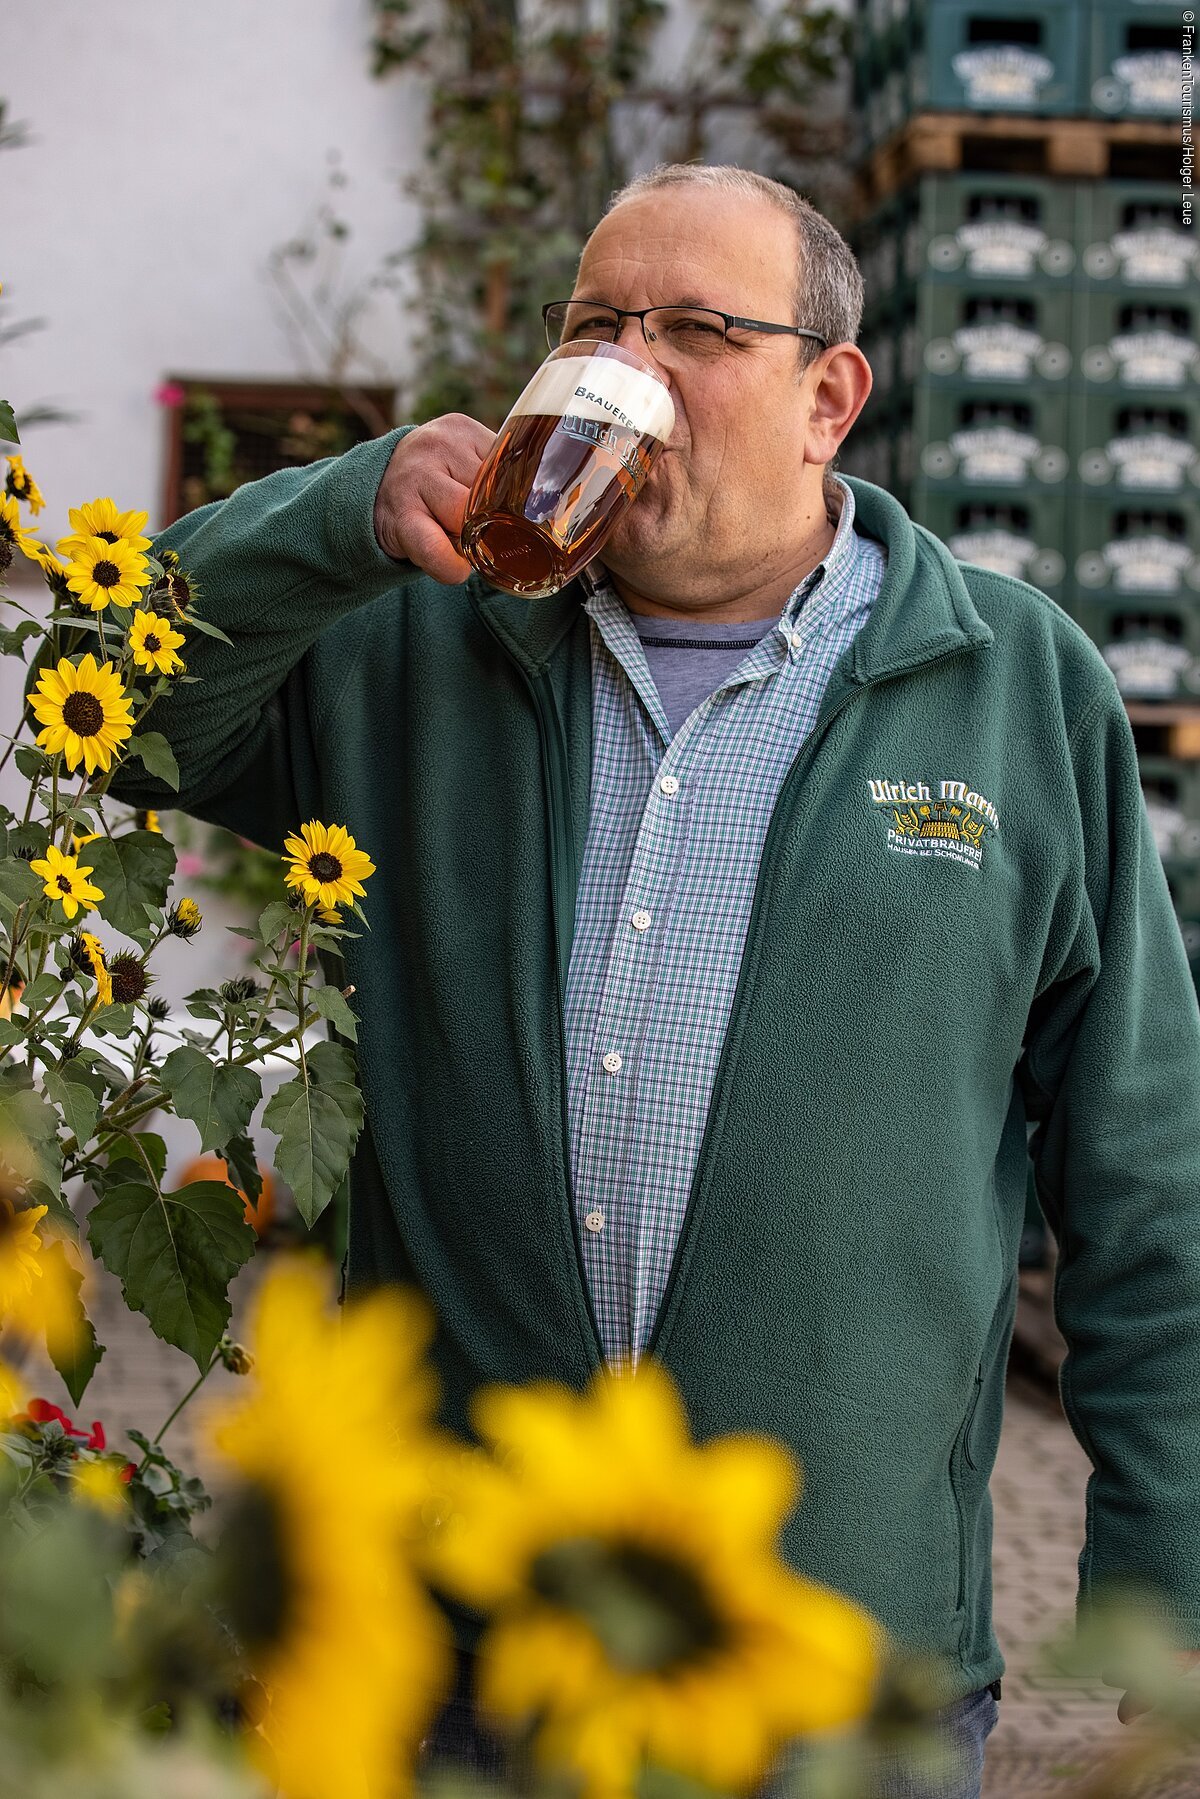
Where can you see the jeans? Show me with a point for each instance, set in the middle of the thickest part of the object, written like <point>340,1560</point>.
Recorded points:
<point>457,1734</point>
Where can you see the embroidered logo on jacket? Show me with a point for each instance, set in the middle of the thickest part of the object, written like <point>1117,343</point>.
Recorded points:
<point>938,818</point>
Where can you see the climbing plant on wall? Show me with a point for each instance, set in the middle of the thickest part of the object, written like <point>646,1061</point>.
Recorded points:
<point>535,115</point>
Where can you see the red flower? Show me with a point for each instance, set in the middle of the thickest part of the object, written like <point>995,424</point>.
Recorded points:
<point>170,394</point>
<point>128,1471</point>
<point>42,1411</point>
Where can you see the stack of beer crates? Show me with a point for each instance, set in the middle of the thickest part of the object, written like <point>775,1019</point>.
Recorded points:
<point>1033,324</point>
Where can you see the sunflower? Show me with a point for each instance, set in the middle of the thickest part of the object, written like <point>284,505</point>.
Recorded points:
<point>36,1294</point>
<point>22,486</point>
<point>12,1392</point>
<point>85,711</point>
<point>104,573</point>
<point>100,1483</point>
<point>154,641</point>
<point>100,518</point>
<point>351,1654</point>
<point>15,535</point>
<point>185,918</point>
<point>66,880</point>
<point>94,950</point>
<point>325,865</point>
<point>640,1612</point>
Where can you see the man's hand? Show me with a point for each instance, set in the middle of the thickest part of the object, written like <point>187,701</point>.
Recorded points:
<point>422,498</point>
<point>1132,1707</point>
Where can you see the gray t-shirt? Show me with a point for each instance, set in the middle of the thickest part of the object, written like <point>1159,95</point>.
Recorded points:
<point>688,659</point>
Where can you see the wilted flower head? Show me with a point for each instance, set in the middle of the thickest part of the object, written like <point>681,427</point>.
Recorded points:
<point>130,977</point>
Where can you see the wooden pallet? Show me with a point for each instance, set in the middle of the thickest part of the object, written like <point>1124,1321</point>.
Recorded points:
<point>954,141</point>
<point>1181,723</point>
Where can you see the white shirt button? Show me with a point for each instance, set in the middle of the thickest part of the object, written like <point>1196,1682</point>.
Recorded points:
<point>669,785</point>
<point>613,1062</point>
<point>595,1221</point>
<point>640,921</point>
<point>797,640</point>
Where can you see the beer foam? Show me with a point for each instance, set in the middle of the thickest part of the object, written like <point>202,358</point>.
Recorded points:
<point>600,387</point>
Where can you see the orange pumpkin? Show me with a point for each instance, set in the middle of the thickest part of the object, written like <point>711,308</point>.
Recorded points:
<point>210,1167</point>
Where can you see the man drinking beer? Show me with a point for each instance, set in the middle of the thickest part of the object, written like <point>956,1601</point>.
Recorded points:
<point>738,908</point>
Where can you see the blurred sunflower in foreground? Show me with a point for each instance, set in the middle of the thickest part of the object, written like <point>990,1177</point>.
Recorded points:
<point>640,1611</point>
<point>328,1454</point>
<point>39,1284</point>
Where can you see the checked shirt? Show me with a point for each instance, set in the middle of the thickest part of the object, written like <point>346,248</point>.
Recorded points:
<point>675,834</point>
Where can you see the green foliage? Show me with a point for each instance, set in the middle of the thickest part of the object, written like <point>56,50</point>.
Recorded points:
<point>533,126</point>
<point>174,1253</point>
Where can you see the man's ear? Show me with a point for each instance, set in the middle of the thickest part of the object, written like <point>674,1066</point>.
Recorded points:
<point>842,382</point>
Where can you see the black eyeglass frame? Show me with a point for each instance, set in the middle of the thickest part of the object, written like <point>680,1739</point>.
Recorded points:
<point>728,317</point>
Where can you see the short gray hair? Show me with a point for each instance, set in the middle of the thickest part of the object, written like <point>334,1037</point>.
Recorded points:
<point>828,291</point>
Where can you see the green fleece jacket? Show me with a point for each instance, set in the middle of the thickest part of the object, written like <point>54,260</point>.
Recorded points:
<point>960,923</point>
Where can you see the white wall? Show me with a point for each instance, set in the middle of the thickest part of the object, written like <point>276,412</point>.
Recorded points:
<point>173,146</point>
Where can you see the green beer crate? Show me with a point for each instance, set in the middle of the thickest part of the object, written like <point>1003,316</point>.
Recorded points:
<point>1131,234</point>
<point>1015,534</point>
<point>994,436</point>
<point>1152,646</point>
<point>1171,789</point>
<point>1137,444</point>
<point>998,56</point>
<point>1139,549</point>
<point>1135,60</point>
<point>1139,338</point>
<point>965,332</point>
<point>992,229</point>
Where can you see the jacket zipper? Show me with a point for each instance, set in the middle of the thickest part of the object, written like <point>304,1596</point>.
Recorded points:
<point>803,761</point>
<point>554,766</point>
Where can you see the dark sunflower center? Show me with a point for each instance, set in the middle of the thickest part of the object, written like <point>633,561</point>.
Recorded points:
<point>106,574</point>
<point>64,883</point>
<point>151,642</point>
<point>258,1579</point>
<point>650,1611</point>
<point>84,713</point>
<point>108,536</point>
<point>324,868</point>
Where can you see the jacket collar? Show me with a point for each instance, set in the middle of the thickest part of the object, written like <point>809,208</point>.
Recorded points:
<point>923,608</point>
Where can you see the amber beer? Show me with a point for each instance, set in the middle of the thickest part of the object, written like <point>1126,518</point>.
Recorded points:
<point>572,454</point>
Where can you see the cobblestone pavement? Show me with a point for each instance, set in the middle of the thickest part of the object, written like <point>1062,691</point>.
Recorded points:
<point>1052,1730</point>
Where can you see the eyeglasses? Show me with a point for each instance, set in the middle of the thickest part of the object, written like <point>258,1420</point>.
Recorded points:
<point>686,333</point>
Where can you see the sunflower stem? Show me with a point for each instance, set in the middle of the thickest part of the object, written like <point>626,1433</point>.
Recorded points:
<point>163,1428</point>
<point>300,988</point>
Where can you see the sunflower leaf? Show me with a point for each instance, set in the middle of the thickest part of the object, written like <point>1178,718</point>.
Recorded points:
<point>12,642</point>
<point>157,755</point>
<point>318,1125</point>
<point>239,1157</point>
<point>78,1103</point>
<point>193,621</point>
<point>175,1255</point>
<point>8,423</point>
<point>218,1097</point>
<point>77,1365</point>
<point>132,871</point>
<point>29,759</point>
<point>330,1002</point>
<point>18,883</point>
<point>29,1145</point>
<point>274,917</point>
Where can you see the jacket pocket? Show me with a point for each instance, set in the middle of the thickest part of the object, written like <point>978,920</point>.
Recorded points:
<point>961,1453</point>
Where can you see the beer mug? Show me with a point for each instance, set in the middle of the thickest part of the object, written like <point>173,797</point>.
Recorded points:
<point>572,454</point>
